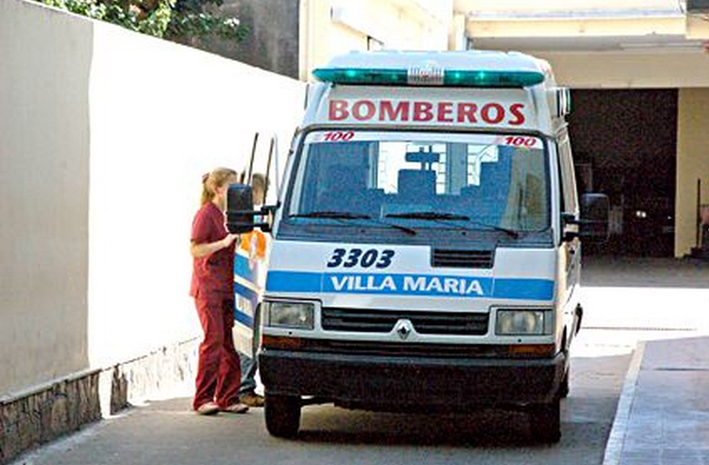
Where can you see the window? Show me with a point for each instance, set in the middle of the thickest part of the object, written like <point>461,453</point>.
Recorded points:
<point>566,170</point>
<point>482,180</point>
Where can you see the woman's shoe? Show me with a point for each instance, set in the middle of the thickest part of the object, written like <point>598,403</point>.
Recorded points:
<point>237,407</point>
<point>252,399</point>
<point>208,408</point>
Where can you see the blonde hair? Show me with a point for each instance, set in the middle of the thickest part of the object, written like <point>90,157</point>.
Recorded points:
<point>211,181</point>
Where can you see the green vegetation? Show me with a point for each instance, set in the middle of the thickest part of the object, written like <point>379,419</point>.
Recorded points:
<point>178,20</point>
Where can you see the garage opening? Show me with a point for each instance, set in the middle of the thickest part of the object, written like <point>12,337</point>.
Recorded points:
<point>624,144</point>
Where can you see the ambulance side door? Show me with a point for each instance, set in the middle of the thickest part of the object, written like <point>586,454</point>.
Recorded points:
<point>570,247</point>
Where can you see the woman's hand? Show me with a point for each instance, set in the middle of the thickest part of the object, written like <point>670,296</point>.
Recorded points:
<point>202,250</point>
<point>229,239</point>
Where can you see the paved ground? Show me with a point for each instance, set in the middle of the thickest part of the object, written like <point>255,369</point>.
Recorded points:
<point>165,432</point>
<point>663,412</point>
<point>646,295</point>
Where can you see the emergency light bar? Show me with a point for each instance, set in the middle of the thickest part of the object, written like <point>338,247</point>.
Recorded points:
<point>429,77</point>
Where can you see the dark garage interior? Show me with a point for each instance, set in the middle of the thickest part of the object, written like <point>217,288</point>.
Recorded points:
<point>624,144</point>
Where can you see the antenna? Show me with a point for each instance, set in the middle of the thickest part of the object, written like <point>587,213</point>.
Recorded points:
<point>268,165</point>
<point>249,172</point>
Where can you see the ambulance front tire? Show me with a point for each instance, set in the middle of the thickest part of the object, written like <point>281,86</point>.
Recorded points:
<point>564,387</point>
<point>282,415</point>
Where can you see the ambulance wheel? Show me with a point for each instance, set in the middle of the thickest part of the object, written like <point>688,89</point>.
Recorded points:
<point>282,415</point>
<point>545,422</point>
<point>564,387</point>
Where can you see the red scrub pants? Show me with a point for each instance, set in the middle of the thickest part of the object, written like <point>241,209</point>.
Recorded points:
<point>218,369</point>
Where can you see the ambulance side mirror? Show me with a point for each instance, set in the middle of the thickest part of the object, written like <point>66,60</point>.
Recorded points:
<point>559,99</point>
<point>593,224</point>
<point>239,209</point>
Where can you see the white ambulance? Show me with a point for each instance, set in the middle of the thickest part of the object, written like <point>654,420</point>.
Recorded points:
<point>426,246</point>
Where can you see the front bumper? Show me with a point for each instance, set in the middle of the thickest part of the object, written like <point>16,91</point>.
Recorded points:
<point>389,382</point>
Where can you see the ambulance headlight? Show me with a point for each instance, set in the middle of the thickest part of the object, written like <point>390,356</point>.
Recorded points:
<point>296,315</point>
<point>524,322</point>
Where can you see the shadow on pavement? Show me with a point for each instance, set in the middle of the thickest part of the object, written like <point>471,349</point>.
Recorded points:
<point>645,272</point>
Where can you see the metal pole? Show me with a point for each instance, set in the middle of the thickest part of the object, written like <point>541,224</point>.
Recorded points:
<point>268,166</point>
<point>699,211</point>
<point>251,163</point>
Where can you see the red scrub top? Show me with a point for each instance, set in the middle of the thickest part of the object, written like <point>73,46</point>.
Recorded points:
<point>212,275</point>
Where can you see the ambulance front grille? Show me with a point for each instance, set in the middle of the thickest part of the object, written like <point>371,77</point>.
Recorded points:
<point>383,321</point>
<point>457,258</point>
<point>381,348</point>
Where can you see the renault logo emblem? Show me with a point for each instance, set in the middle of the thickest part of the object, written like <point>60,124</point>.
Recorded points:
<point>403,328</point>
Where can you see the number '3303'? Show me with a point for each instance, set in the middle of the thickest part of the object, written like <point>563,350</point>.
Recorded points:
<point>349,258</point>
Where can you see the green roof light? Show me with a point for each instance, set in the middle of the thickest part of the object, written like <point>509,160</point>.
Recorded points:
<point>451,78</point>
<point>463,78</point>
<point>361,76</point>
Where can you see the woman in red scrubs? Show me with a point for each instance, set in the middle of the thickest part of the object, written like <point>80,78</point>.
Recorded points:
<point>212,249</point>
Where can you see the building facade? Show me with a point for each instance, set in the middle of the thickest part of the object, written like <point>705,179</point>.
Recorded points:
<point>639,74</point>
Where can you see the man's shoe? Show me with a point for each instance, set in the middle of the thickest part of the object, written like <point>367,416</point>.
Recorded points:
<point>208,408</point>
<point>252,399</point>
<point>236,408</point>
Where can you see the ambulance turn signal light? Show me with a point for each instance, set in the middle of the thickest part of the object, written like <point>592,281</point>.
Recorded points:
<point>450,78</point>
<point>535,350</point>
<point>281,342</point>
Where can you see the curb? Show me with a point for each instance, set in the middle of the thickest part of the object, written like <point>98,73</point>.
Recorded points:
<point>616,438</point>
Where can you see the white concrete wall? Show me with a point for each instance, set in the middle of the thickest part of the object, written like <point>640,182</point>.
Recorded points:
<point>626,70</point>
<point>524,6</point>
<point>104,136</point>
<point>45,61</point>
<point>331,27</point>
<point>397,24</point>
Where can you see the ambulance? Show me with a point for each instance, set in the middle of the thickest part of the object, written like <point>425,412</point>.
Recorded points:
<point>427,241</point>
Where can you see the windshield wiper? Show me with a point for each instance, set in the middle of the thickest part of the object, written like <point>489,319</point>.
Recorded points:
<point>443,217</point>
<point>331,214</point>
<point>426,215</point>
<point>335,215</point>
<point>510,232</point>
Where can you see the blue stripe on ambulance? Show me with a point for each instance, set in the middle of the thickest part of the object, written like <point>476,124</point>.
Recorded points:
<point>243,269</point>
<point>244,286</point>
<point>411,285</point>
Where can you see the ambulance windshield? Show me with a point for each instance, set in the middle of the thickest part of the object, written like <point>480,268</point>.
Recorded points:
<point>420,180</point>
